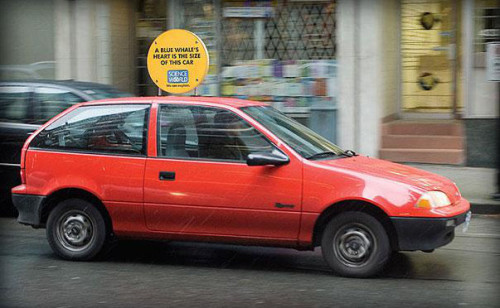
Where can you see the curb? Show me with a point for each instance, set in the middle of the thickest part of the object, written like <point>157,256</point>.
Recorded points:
<point>485,207</point>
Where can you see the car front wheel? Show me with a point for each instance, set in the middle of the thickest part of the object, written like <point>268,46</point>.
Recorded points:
<point>355,244</point>
<point>76,230</point>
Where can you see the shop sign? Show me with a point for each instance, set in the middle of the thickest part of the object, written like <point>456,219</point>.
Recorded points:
<point>177,61</point>
<point>248,12</point>
<point>493,61</point>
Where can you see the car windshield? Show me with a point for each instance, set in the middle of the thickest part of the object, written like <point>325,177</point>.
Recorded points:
<point>302,139</point>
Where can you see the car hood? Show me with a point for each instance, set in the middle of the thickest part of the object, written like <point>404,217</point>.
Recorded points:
<point>420,179</point>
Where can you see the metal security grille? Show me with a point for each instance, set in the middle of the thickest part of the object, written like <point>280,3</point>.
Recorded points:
<point>296,31</point>
<point>238,39</point>
<point>304,31</point>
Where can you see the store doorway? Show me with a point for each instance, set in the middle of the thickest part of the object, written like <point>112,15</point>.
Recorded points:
<point>429,66</point>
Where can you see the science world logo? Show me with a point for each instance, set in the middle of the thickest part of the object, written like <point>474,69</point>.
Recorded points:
<point>178,76</point>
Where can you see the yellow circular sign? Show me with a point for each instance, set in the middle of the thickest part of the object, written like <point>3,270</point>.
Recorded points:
<point>177,61</point>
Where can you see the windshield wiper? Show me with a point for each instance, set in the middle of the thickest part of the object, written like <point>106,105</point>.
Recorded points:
<point>322,154</point>
<point>350,153</point>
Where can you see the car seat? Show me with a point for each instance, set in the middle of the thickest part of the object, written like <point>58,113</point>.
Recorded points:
<point>176,142</point>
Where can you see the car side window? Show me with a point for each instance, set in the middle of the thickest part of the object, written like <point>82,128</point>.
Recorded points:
<point>114,129</point>
<point>207,133</point>
<point>51,101</point>
<point>14,103</point>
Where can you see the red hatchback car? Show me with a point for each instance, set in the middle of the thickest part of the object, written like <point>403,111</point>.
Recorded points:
<point>224,170</point>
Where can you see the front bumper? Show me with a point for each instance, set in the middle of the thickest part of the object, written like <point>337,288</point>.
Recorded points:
<point>426,233</point>
<point>29,208</point>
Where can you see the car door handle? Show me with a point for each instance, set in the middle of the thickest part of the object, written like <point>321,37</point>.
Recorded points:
<point>167,176</point>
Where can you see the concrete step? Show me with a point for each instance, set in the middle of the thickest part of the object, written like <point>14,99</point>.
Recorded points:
<point>429,156</point>
<point>422,142</point>
<point>445,128</point>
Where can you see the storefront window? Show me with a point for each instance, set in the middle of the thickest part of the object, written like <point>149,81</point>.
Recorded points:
<point>151,22</point>
<point>487,24</point>
<point>281,52</point>
<point>483,94</point>
<point>199,17</point>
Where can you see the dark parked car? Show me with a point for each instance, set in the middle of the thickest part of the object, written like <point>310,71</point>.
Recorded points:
<point>24,106</point>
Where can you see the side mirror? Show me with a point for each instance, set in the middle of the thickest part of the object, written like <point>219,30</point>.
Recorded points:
<point>275,158</point>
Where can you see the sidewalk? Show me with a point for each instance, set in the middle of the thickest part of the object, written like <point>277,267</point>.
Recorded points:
<point>475,184</point>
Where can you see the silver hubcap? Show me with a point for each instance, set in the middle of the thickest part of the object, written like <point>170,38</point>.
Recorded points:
<point>353,245</point>
<point>75,231</point>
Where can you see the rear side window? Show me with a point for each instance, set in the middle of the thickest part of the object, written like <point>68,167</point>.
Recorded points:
<point>113,129</point>
<point>52,101</point>
<point>14,104</point>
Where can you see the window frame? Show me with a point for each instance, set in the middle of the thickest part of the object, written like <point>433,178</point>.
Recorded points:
<point>37,104</point>
<point>30,117</point>
<point>204,159</point>
<point>147,120</point>
<point>244,110</point>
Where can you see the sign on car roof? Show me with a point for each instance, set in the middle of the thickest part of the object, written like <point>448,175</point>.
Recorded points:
<point>177,61</point>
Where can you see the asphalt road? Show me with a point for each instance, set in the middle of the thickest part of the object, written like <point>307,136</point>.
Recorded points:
<point>153,274</point>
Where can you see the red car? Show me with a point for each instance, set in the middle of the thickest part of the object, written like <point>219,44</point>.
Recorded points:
<point>224,170</point>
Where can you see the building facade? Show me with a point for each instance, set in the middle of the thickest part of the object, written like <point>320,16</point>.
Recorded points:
<point>415,89</point>
<point>398,79</point>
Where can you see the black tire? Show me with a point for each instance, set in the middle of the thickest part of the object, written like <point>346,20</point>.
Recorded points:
<point>355,244</point>
<point>76,230</point>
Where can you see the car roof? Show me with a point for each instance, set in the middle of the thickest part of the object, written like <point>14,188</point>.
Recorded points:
<point>78,85</point>
<point>215,101</point>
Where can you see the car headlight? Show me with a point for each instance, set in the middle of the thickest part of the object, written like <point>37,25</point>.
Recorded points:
<point>433,199</point>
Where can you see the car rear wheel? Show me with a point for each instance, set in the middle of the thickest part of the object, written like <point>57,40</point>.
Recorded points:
<point>355,244</point>
<point>76,230</point>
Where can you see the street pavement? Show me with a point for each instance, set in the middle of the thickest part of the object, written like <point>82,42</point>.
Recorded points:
<point>465,273</point>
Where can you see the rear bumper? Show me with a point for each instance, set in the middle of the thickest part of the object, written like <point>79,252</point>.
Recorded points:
<point>426,233</point>
<point>29,207</point>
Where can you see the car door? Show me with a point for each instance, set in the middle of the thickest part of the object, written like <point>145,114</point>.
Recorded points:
<point>194,187</point>
<point>15,127</point>
<point>100,148</point>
